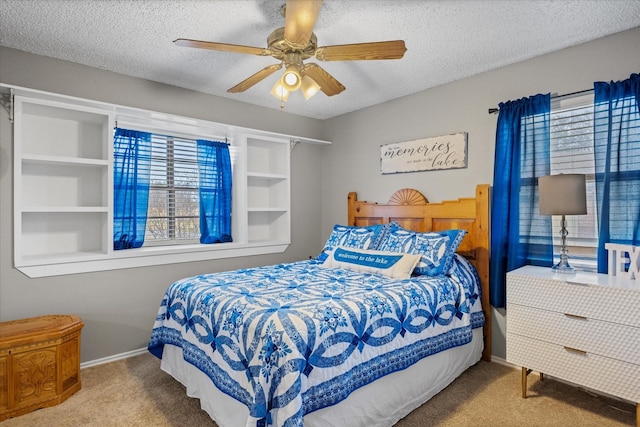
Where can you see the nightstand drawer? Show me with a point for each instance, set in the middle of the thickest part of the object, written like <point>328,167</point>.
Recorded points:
<point>589,370</point>
<point>593,336</point>
<point>617,305</point>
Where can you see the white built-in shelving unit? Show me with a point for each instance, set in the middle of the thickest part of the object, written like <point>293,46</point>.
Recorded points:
<point>63,187</point>
<point>62,182</point>
<point>268,190</point>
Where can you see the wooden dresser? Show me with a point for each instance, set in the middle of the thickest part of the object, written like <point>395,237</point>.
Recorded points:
<point>39,363</point>
<point>583,328</point>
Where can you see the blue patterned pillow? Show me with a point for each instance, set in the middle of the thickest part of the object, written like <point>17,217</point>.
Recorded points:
<point>353,237</point>
<point>436,248</point>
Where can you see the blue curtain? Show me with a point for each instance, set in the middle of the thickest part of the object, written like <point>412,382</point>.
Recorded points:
<point>214,168</point>
<point>519,234</point>
<point>131,171</point>
<point>617,158</point>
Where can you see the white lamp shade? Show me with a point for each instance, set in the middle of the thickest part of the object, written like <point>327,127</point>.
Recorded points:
<point>309,87</point>
<point>291,79</point>
<point>279,91</point>
<point>563,194</point>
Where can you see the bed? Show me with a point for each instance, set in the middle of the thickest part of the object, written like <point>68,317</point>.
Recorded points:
<point>359,336</point>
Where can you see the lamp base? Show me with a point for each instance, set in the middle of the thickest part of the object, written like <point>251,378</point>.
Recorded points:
<point>563,267</point>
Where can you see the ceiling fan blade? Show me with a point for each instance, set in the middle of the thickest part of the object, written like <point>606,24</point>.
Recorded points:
<point>257,77</point>
<point>394,49</point>
<point>224,47</point>
<point>300,18</point>
<point>329,85</point>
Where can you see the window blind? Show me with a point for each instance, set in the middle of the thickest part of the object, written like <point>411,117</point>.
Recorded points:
<point>572,151</point>
<point>173,212</point>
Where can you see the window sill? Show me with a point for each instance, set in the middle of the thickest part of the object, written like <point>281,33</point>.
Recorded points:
<point>145,257</point>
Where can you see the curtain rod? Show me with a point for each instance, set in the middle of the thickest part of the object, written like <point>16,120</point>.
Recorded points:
<point>554,96</point>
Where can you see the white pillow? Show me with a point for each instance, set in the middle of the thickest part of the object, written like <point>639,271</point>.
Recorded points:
<point>391,264</point>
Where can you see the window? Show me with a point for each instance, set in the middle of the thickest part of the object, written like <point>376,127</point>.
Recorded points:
<point>174,213</point>
<point>572,152</point>
<point>170,190</point>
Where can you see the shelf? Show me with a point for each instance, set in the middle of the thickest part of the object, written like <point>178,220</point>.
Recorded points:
<point>267,242</point>
<point>62,209</point>
<point>263,209</point>
<point>31,260</point>
<point>268,190</point>
<point>59,130</point>
<point>63,185</point>
<point>267,193</point>
<point>266,157</point>
<point>55,234</point>
<point>266,176</point>
<point>272,225</point>
<point>46,159</point>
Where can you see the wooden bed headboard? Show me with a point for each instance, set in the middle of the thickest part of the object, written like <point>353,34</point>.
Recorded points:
<point>410,209</point>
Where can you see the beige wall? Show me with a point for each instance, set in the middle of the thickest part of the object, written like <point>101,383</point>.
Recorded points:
<point>353,161</point>
<point>118,307</point>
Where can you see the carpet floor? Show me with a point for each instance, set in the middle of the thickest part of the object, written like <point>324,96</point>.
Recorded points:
<point>135,392</point>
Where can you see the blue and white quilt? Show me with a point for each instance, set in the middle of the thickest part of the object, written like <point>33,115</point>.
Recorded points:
<point>289,339</point>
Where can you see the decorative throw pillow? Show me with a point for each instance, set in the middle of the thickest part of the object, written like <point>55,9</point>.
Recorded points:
<point>436,248</point>
<point>390,264</point>
<point>352,237</point>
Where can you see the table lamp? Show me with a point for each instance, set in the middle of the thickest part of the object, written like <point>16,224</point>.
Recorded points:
<point>563,194</point>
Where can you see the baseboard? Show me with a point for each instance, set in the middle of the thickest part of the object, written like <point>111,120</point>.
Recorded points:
<point>113,358</point>
<point>502,361</point>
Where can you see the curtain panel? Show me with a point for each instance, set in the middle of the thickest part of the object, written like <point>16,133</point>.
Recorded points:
<point>131,171</point>
<point>617,163</point>
<point>214,169</point>
<point>519,234</point>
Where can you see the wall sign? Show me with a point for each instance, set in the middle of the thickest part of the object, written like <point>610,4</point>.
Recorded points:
<point>440,152</point>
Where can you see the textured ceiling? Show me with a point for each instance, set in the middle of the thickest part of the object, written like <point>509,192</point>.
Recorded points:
<point>446,40</point>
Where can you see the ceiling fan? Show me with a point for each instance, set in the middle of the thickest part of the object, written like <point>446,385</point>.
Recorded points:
<point>296,42</point>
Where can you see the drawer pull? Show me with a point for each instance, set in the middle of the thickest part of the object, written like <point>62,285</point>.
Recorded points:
<point>574,350</point>
<point>575,316</point>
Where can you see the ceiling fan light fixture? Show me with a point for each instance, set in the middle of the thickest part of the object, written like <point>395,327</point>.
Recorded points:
<point>279,91</point>
<point>296,42</point>
<point>309,87</point>
<point>291,79</point>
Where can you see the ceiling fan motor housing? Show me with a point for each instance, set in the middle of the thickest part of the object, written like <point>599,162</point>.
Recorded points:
<point>280,47</point>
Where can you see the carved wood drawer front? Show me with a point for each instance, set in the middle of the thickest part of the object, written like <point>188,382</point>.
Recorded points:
<point>39,363</point>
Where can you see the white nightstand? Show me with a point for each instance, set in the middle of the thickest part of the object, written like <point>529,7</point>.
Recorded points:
<point>583,328</point>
